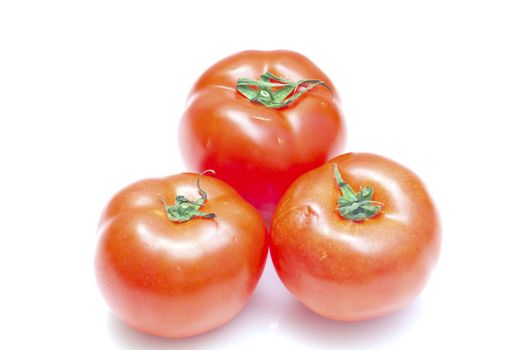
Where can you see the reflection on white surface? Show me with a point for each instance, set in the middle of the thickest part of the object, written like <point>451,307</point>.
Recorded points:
<point>274,316</point>
<point>273,325</point>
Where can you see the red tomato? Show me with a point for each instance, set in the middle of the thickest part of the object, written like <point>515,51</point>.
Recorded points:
<point>264,134</point>
<point>351,255</point>
<point>183,269</point>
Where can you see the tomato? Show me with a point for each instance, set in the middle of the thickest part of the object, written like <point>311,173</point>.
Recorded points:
<point>352,255</point>
<point>260,135</point>
<point>183,269</point>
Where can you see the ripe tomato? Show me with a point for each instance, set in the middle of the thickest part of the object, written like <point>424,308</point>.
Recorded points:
<point>261,135</point>
<point>355,255</point>
<point>183,269</point>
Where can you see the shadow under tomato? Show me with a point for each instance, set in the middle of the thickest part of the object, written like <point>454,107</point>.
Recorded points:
<point>129,338</point>
<point>250,321</point>
<point>310,328</point>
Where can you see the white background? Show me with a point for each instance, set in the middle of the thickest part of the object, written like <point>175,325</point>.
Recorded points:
<point>90,97</point>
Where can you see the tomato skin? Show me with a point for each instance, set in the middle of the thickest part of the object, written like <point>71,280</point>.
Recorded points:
<point>351,271</point>
<point>178,279</point>
<point>256,149</point>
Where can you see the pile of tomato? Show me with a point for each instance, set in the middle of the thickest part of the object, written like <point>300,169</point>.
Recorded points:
<point>352,237</point>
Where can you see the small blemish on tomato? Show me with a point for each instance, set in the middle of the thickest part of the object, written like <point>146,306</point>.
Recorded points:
<point>307,215</point>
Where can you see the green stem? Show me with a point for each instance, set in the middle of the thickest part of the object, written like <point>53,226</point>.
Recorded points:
<point>184,210</point>
<point>276,92</point>
<point>355,206</point>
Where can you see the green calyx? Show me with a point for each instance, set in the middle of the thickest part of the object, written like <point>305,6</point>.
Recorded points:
<point>355,206</point>
<point>276,92</point>
<point>184,210</point>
